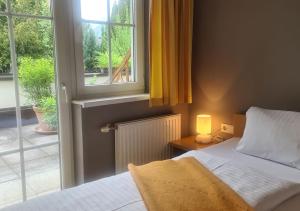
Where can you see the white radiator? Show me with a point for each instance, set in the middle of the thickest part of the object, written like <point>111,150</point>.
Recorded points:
<point>145,140</point>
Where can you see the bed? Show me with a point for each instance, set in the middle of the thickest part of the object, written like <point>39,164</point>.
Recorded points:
<point>120,193</point>
<point>263,184</point>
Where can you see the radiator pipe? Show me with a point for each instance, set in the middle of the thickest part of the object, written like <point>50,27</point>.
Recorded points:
<point>107,128</point>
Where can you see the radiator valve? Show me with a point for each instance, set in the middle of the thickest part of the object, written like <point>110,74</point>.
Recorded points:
<point>107,128</point>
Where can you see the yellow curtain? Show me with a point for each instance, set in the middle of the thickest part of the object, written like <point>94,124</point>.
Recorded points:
<point>170,45</point>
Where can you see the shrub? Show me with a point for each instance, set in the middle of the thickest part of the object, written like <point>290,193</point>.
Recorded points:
<point>36,77</point>
<point>49,109</point>
<point>104,60</point>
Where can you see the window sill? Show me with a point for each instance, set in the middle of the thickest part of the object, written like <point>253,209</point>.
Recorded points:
<point>110,100</point>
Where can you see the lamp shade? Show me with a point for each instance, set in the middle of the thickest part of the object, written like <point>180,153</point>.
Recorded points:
<point>203,124</point>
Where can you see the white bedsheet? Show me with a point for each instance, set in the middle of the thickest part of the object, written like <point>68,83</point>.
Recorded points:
<point>263,184</point>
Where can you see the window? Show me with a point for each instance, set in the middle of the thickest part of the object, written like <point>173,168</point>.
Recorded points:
<point>109,47</point>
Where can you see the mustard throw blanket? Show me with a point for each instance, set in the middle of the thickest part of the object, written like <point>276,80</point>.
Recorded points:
<point>184,184</point>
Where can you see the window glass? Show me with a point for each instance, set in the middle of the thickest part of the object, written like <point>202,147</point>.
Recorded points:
<point>107,44</point>
<point>32,7</point>
<point>121,11</point>
<point>10,180</point>
<point>95,54</point>
<point>95,10</point>
<point>121,51</point>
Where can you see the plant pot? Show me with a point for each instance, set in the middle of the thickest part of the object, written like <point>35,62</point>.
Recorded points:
<point>42,127</point>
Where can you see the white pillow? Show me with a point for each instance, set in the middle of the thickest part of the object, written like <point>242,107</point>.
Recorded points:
<point>273,135</point>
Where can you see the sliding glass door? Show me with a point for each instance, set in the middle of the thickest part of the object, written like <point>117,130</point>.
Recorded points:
<point>29,138</point>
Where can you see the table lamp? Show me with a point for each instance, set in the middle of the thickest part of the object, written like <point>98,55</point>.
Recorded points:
<point>203,124</point>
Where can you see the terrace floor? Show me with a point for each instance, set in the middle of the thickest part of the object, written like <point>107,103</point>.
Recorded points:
<point>42,169</point>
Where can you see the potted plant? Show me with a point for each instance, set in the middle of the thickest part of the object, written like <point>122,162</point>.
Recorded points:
<point>37,77</point>
<point>48,107</point>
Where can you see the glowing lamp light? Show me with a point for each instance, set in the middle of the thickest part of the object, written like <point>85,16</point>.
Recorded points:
<point>203,124</point>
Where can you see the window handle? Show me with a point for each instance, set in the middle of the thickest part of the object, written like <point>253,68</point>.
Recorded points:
<point>65,90</point>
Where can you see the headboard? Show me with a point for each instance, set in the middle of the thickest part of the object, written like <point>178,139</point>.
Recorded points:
<point>239,122</point>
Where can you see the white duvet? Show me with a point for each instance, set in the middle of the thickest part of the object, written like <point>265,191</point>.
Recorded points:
<point>261,190</point>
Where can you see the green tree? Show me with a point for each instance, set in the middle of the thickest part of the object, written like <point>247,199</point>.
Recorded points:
<point>120,35</point>
<point>34,38</point>
<point>4,46</point>
<point>90,49</point>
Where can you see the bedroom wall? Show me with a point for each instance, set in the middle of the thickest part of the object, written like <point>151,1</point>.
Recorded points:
<point>245,53</point>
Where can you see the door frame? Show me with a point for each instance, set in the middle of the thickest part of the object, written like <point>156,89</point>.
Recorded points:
<point>66,85</point>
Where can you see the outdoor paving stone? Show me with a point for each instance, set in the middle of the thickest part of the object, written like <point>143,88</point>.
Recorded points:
<point>10,192</point>
<point>34,154</point>
<point>13,145</point>
<point>28,155</point>
<point>42,169</point>
<point>29,133</point>
<point>43,139</point>
<point>2,163</point>
<point>7,136</point>
<point>40,166</point>
<point>51,150</point>
<point>11,159</point>
<point>6,174</point>
<point>44,182</point>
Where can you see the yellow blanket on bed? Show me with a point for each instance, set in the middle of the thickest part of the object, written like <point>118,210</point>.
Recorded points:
<point>184,184</point>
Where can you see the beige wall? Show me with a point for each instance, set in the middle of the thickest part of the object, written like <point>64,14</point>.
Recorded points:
<point>245,53</point>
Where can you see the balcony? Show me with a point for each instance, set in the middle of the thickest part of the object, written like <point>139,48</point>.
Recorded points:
<point>41,152</point>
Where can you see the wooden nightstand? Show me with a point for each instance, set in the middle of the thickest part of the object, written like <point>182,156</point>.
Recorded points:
<point>186,144</point>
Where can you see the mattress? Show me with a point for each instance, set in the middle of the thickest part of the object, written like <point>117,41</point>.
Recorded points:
<point>120,192</point>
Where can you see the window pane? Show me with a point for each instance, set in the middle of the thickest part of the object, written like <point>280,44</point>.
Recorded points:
<point>95,54</point>
<point>34,46</point>
<point>121,46</point>
<point>7,90</point>
<point>42,170</point>
<point>32,7</point>
<point>94,10</point>
<point>8,124</point>
<point>2,5</point>
<point>10,180</point>
<point>4,47</point>
<point>121,11</point>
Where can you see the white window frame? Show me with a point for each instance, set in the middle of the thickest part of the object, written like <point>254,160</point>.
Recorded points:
<point>118,89</point>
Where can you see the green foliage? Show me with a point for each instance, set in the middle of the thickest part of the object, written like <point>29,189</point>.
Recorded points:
<point>120,40</point>
<point>121,11</point>
<point>34,7</point>
<point>90,50</point>
<point>36,77</point>
<point>34,38</point>
<point>4,47</point>
<point>2,5</point>
<point>104,60</point>
<point>49,109</point>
